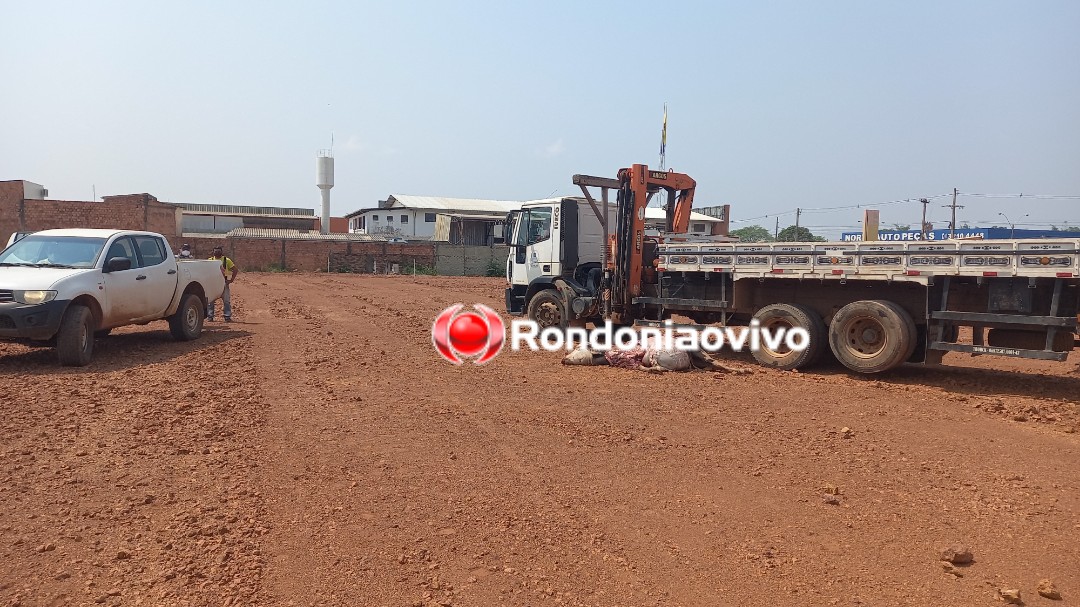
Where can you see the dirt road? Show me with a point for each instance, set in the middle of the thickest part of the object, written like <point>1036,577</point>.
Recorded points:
<point>318,452</point>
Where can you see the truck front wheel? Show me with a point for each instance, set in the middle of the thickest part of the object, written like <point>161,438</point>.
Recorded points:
<point>872,336</point>
<point>546,310</point>
<point>187,323</point>
<point>75,340</point>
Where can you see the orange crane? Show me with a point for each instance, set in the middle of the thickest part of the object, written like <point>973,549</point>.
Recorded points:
<point>630,253</point>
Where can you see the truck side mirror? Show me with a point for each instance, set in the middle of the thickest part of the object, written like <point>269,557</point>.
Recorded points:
<point>117,264</point>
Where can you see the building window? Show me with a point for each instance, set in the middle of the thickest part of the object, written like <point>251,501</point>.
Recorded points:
<point>374,217</point>
<point>698,227</point>
<point>404,219</point>
<point>429,217</point>
<point>389,219</point>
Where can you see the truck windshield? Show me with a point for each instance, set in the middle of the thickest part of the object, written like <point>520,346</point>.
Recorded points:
<point>57,251</point>
<point>535,226</point>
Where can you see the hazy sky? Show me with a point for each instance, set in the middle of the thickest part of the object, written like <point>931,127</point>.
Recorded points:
<point>772,105</point>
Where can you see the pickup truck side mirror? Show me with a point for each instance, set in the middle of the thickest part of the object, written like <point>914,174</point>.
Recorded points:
<point>117,264</point>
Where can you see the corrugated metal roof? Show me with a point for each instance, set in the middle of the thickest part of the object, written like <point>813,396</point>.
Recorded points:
<point>231,209</point>
<point>454,204</point>
<point>474,216</point>
<point>203,235</point>
<point>299,235</point>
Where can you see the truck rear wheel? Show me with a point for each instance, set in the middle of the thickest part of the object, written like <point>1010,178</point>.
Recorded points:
<point>787,316</point>
<point>75,340</point>
<point>546,310</point>
<point>872,336</point>
<point>187,323</point>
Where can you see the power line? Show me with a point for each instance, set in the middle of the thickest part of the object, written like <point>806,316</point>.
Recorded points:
<point>839,208</point>
<point>1038,196</point>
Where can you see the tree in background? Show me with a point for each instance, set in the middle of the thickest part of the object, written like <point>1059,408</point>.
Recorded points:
<point>753,234</point>
<point>798,234</point>
<point>900,227</point>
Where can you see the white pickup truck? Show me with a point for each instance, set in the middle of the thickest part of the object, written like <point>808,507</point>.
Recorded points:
<point>69,286</point>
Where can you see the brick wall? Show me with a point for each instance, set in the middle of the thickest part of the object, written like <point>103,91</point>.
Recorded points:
<point>260,254</point>
<point>144,212</point>
<point>129,212</point>
<point>11,194</point>
<point>365,258</point>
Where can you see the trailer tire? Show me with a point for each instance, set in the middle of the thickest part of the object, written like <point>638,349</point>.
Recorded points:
<point>788,316</point>
<point>187,323</point>
<point>75,340</point>
<point>546,310</point>
<point>872,336</point>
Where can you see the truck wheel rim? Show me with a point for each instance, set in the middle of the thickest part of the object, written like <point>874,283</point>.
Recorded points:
<point>547,315</point>
<point>84,334</point>
<point>772,325</point>
<point>191,317</point>
<point>866,337</point>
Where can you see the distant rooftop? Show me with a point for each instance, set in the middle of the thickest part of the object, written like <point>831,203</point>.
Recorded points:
<point>229,209</point>
<point>300,235</point>
<point>441,203</point>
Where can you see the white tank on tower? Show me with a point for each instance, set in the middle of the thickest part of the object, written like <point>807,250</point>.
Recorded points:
<point>324,178</point>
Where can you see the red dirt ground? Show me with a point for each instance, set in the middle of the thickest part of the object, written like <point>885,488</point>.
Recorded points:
<point>318,452</point>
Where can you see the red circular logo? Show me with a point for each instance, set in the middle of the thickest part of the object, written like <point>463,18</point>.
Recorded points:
<point>478,334</point>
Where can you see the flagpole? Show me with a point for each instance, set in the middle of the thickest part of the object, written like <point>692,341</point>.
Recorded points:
<point>663,140</point>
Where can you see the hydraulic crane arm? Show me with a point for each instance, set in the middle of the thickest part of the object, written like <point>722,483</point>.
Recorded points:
<point>637,185</point>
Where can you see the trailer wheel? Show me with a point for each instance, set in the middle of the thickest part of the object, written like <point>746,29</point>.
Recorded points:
<point>872,336</point>
<point>75,340</point>
<point>546,310</point>
<point>787,316</point>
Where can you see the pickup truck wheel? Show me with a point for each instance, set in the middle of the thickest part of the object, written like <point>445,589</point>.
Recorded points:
<point>187,323</point>
<point>102,333</point>
<point>75,340</point>
<point>788,316</point>
<point>546,309</point>
<point>872,336</point>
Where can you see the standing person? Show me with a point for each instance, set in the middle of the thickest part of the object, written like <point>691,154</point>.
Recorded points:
<point>227,266</point>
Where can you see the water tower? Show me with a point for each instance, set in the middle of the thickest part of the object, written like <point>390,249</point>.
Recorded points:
<point>324,178</point>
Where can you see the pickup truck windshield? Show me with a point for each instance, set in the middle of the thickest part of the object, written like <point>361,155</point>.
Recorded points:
<point>58,251</point>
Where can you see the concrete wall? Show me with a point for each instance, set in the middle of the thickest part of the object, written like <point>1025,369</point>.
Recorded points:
<point>457,260</point>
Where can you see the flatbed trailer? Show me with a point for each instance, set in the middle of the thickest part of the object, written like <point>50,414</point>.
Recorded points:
<point>1023,291</point>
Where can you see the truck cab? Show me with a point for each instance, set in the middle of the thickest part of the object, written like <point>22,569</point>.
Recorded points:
<point>555,258</point>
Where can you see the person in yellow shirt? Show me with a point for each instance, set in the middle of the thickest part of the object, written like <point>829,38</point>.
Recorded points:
<point>227,267</point>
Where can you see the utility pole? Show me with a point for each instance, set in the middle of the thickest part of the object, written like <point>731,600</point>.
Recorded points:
<point>776,234</point>
<point>922,227</point>
<point>798,212</point>
<point>954,206</point>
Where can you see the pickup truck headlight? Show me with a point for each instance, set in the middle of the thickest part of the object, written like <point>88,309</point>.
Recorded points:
<point>34,297</point>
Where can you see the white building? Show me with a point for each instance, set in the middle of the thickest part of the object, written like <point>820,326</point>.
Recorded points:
<point>416,217</point>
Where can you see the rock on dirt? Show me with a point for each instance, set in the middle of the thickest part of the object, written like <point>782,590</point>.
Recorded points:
<point>1047,589</point>
<point>952,569</point>
<point>957,555</point>
<point>1010,596</point>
